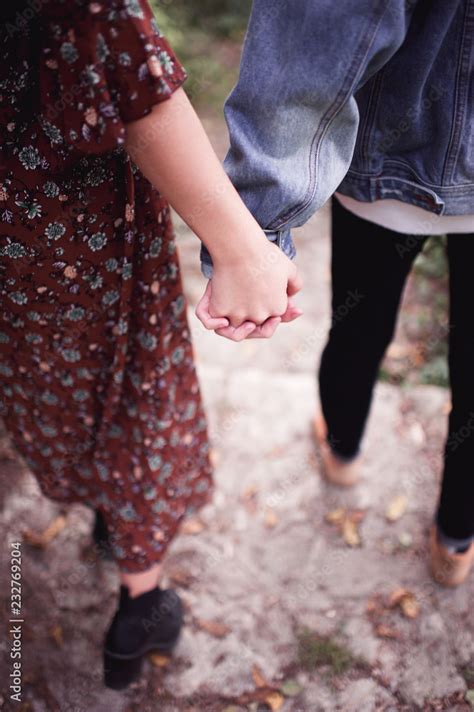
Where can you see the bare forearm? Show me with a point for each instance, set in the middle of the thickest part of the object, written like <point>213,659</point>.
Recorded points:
<point>173,151</point>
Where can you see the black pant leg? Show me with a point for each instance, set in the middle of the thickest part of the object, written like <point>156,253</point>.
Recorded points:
<point>369,267</point>
<point>456,510</point>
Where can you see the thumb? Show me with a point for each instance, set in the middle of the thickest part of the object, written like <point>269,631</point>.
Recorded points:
<point>295,283</point>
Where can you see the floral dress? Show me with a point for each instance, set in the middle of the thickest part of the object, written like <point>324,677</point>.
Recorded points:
<point>98,388</point>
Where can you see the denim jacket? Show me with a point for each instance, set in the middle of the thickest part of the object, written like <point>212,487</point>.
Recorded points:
<point>374,98</point>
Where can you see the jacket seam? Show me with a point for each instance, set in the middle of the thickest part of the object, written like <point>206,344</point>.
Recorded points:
<point>453,145</point>
<point>423,181</point>
<point>323,128</point>
<point>372,106</point>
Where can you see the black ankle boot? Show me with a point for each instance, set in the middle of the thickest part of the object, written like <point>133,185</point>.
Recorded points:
<point>151,621</point>
<point>100,536</point>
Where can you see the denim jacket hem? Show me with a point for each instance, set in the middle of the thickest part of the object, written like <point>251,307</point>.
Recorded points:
<point>282,238</point>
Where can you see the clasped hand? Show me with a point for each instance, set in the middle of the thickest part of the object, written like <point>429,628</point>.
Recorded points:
<point>250,297</point>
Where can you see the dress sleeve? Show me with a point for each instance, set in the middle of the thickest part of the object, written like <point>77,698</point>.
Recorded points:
<point>103,64</point>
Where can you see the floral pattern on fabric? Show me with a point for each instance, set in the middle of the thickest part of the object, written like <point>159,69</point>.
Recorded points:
<point>98,386</point>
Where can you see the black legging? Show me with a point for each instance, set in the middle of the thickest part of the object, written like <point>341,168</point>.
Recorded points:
<point>370,265</point>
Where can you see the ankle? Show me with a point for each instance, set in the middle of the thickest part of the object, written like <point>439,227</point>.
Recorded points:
<point>451,544</point>
<point>142,582</point>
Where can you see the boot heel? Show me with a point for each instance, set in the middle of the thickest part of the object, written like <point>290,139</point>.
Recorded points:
<point>119,673</point>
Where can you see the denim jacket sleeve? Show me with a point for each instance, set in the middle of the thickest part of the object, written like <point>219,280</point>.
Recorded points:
<point>292,116</point>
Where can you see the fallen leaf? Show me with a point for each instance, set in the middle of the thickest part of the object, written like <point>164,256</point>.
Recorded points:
<point>57,635</point>
<point>397,508</point>
<point>214,628</point>
<point>258,677</point>
<point>42,539</point>
<point>385,631</point>
<point>396,596</point>
<point>336,516</point>
<point>275,701</point>
<point>159,660</point>
<point>270,519</point>
<point>410,606</point>
<point>181,577</point>
<point>193,526</point>
<point>407,602</point>
<point>350,533</point>
<point>291,688</point>
<point>417,355</point>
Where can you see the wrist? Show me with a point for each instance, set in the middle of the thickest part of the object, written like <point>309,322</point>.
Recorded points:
<point>239,249</point>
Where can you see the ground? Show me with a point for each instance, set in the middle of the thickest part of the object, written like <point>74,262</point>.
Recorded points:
<point>299,597</point>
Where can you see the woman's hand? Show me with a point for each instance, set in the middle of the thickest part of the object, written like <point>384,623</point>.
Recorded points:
<point>252,292</point>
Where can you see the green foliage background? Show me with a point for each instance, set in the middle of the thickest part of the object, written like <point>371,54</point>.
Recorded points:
<point>199,32</point>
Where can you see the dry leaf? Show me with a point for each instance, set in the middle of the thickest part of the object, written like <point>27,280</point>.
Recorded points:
<point>181,577</point>
<point>42,539</point>
<point>193,526</point>
<point>417,356</point>
<point>214,628</point>
<point>410,606</point>
<point>336,516</point>
<point>407,602</point>
<point>159,660</point>
<point>258,678</point>
<point>396,596</point>
<point>385,631</point>
<point>270,519</point>
<point>397,508</point>
<point>350,533</point>
<point>275,701</point>
<point>57,635</point>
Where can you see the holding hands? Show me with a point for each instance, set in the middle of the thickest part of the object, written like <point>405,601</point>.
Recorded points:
<point>253,281</point>
<point>250,293</point>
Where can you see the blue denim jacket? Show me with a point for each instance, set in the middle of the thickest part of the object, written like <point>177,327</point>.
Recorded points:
<point>374,98</point>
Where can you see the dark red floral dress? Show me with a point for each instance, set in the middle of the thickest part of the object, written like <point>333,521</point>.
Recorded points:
<point>97,382</point>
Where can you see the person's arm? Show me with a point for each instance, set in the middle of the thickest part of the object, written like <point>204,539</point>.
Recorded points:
<point>292,116</point>
<point>252,278</point>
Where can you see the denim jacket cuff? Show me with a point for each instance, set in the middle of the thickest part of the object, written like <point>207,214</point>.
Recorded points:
<point>281,237</point>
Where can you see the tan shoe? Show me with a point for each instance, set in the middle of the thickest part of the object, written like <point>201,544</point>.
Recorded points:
<point>335,471</point>
<point>447,568</point>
